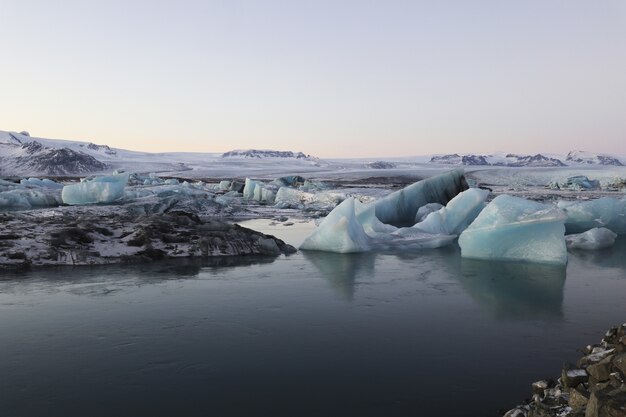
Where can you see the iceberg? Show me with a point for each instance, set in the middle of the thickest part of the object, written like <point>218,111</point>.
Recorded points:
<point>400,208</point>
<point>457,215</point>
<point>105,189</point>
<point>515,229</point>
<point>594,239</point>
<point>287,197</point>
<point>339,232</point>
<point>256,190</point>
<point>356,227</point>
<point>36,182</point>
<point>604,212</point>
<point>25,199</point>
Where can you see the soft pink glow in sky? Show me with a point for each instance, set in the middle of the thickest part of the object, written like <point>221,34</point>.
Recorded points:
<point>330,78</point>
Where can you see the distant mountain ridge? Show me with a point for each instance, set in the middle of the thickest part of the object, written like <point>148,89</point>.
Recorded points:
<point>582,157</point>
<point>517,160</point>
<point>266,153</point>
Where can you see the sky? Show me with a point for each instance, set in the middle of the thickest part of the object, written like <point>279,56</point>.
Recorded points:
<point>329,78</point>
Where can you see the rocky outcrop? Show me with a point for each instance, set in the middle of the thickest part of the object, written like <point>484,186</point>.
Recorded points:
<point>94,237</point>
<point>593,387</point>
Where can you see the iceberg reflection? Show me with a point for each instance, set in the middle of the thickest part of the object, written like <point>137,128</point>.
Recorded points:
<point>341,270</point>
<point>515,290</point>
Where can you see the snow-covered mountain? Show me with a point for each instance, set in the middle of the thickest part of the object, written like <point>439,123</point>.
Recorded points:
<point>538,160</point>
<point>573,158</point>
<point>22,155</point>
<point>265,153</point>
<point>456,159</point>
<point>582,157</point>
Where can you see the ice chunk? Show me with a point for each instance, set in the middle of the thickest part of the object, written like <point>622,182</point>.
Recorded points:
<point>24,199</point>
<point>424,211</point>
<point>256,190</point>
<point>594,239</point>
<point>400,208</point>
<point>339,232</point>
<point>603,212</point>
<point>292,198</point>
<point>224,185</point>
<point>457,215</point>
<point>356,227</point>
<point>248,189</point>
<point>41,183</point>
<point>105,189</point>
<point>512,228</point>
<point>580,182</point>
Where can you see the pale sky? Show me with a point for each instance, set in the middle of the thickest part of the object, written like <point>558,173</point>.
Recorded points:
<point>330,78</point>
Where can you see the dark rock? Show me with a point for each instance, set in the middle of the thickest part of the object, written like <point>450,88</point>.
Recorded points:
<point>578,399</point>
<point>619,362</point>
<point>599,372</point>
<point>571,377</point>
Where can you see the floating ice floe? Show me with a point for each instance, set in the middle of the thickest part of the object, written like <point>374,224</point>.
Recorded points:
<point>515,229</point>
<point>594,239</point>
<point>37,182</point>
<point>106,189</point>
<point>604,212</point>
<point>24,199</point>
<point>258,191</point>
<point>287,197</point>
<point>28,194</point>
<point>356,227</point>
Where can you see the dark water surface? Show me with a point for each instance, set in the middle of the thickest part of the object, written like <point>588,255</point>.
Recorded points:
<point>313,334</point>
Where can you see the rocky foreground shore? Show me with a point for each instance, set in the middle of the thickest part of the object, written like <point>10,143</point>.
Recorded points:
<point>98,235</point>
<point>593,387</point>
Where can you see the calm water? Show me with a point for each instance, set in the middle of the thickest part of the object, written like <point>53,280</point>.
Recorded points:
<point>313,334</point>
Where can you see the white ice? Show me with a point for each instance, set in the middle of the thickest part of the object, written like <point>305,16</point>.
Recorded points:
<point>594,239</point>
<point>106,189</point>
<point>604,212</point>
<point>515,229</point>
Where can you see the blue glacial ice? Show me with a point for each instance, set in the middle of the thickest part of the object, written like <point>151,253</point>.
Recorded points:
<point>356,227</point>
<point>37,182</point>
<point>25,199</point>
<point>106,189</point>
<point>594,239</point>
<point>515,229</point>
<point>424,211</point>
<point>604,212</point>
<point>258,191</point>
<point>339,232</point>
<point>28,194</point>
<point>400,208</point>
<point>457,215</point>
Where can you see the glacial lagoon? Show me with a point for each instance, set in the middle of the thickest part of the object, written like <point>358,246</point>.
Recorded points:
<point>422,333</point>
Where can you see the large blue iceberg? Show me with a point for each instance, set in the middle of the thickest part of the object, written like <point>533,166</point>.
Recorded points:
<point>356,227</point>
<point>105,189</point>
<point>604,212</point>
<point>515,229</point>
